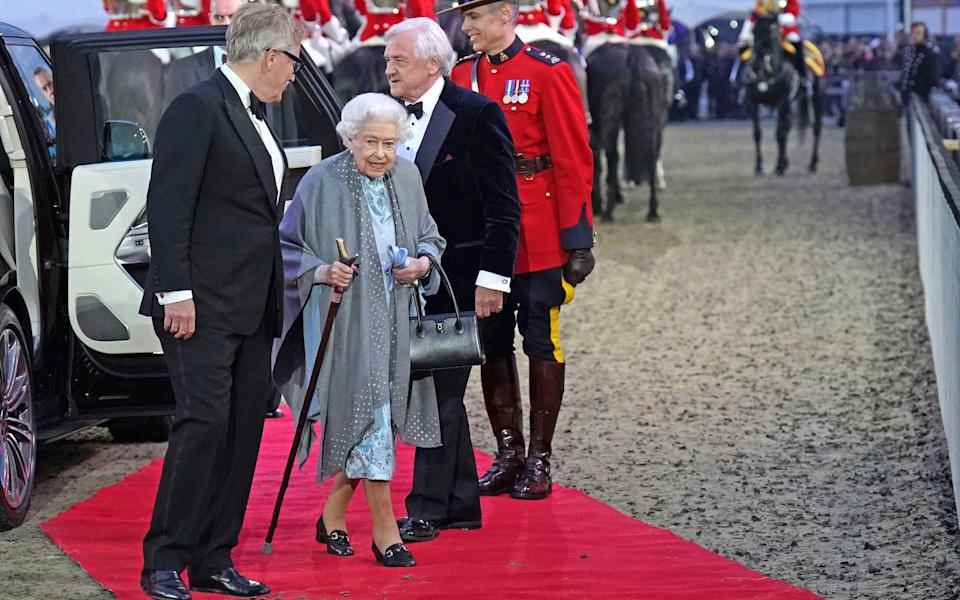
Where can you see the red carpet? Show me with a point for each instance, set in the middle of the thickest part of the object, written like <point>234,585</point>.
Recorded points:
<point>569,546</point>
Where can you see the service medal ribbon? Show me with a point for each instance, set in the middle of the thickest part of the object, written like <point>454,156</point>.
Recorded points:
<point>524,91</point>
<point>508,91</point>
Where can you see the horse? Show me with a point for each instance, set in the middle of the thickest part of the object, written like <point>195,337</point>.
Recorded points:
<point>361,70</point>
<point>769,79</point>
<point>629,87</point>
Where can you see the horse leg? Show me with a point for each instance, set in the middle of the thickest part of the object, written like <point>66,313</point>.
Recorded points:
<point>614,194</point>
<point>783,132</point>
<point>597,193</point>
<point>652,215</point>
<point>757,136</point>
<point>661,177</point>
<point>817,125</point>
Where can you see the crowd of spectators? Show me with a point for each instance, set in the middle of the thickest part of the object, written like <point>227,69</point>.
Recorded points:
<point>708,91</point>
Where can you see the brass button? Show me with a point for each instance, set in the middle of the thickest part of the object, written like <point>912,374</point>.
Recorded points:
<point>513,108</point>
<point>494,71</point>
<point>548,194</point>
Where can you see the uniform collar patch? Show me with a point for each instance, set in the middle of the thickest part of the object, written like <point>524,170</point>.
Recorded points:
<point>511,51</point>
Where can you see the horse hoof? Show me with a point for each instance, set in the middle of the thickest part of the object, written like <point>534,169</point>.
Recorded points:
<point>606,218</point>
<point>813,167</point>
<point>758,172</point>
<point>653,218</point>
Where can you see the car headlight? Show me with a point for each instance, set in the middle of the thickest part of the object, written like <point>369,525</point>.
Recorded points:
<point>134,248</point>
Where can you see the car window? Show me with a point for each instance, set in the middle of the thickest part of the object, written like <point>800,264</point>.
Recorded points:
<point>136,86</point>
<point>37,76</point>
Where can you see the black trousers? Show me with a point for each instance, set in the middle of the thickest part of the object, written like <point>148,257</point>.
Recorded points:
<point>533,306</point>
<point>221,382</point>
<point>445,478</point>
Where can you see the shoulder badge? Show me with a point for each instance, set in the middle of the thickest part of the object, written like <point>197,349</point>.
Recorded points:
<point>470,58</point>
<point>543,56</point>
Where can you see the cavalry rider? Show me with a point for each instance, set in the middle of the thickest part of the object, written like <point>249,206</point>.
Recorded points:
<point>605,23</point>
<point>544,109</point>
<point>381,15</point>
<point>135,14</point>
<point>654,21</point>
<point>192,13</point>
<point>789,20</point>
<point>327,41</point>
<point>541,19</point>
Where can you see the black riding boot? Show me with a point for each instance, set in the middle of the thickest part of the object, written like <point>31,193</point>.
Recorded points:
<point>501,395</point>
<point>546,395</point>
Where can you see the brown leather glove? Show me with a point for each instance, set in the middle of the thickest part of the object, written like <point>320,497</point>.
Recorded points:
<point>579,265</point>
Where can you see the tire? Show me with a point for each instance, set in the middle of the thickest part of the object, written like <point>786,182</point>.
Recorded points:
<point>134,430</point>
<point>18,429</point>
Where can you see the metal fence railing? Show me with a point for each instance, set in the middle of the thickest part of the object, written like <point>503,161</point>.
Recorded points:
<point>936,185</point>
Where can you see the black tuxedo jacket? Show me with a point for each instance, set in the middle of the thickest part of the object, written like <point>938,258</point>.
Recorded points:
<point>466,161</point>
<point>213,212</point>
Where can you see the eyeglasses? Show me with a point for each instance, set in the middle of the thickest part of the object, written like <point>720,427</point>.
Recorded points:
<point>296,60</point>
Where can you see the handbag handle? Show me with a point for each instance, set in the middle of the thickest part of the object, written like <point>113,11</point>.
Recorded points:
<point>449,287</point>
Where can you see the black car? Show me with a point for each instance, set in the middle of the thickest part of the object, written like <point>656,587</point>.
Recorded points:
<point>75,158</point>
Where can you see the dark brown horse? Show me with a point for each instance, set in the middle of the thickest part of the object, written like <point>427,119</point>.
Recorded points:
<point>629,87</point>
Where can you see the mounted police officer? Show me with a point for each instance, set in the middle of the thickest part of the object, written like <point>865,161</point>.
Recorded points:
<point>544,109</point>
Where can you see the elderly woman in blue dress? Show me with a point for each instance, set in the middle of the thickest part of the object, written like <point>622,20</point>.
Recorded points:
<point>365,395</point>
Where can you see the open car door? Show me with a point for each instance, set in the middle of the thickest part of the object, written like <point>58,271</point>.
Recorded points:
<point>119,84</point>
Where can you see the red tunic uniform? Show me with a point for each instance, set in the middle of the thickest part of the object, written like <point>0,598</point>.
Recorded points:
<point>540,98</point>
<point>378,18</point>
<point>595,23</point>
<point>125,16</point>
<point>558,14</point>
<point>193,16</point>
<point>657,30</point>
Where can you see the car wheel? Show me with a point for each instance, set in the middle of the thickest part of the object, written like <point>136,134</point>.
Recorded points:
<point>133,430</point>
<point>18,435</point>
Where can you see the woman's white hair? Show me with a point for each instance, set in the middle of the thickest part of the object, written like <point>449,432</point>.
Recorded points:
<point>256,27</point>
<point>372,107</point>
<point>431,42</point>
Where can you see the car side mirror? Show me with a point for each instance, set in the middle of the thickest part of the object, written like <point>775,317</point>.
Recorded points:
<point>124,140</point>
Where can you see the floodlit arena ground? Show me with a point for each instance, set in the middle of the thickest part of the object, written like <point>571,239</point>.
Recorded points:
<point>752,373</point>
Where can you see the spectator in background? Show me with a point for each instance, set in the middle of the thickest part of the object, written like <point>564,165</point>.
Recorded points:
<point>920,70</point>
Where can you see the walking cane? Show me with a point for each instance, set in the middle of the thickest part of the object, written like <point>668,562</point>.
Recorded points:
<point>335,299</point>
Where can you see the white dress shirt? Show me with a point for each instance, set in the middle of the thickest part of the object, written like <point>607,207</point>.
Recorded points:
<point>276,159</point>
<point>409,149</point>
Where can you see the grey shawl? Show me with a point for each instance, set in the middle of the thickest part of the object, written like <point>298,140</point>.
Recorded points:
<point>368,358</point>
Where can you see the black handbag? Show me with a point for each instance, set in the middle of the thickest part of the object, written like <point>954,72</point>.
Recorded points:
<point>444,341</point>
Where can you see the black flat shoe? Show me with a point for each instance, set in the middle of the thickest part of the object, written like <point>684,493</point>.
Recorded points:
<point>229,582</point>
<point>417,530</point>
<point>337,541</point>
<point>275,413</point>
<point>163,585</point>
<point>396,555</point>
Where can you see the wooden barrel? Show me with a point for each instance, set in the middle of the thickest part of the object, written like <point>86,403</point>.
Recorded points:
<point>872,142</point>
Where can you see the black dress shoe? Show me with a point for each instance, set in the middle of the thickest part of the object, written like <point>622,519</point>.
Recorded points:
<point>418,530</point>
<point>275,413</point>
<point>163,585</point>
<point>337,541</point>
<point>229,582</point>
<point>396,555</point>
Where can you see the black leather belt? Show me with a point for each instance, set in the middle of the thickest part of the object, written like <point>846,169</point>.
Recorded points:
<point>530,166</point>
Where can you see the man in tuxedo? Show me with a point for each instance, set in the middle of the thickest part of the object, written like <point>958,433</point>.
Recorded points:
<point>214,292</point>
<point>463,149</point>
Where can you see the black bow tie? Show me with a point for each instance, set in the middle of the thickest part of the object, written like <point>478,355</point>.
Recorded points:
<point>415,109</point>
<point>257,107</point>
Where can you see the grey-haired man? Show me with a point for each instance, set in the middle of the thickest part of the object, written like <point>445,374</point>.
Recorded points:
<point>214,292</point>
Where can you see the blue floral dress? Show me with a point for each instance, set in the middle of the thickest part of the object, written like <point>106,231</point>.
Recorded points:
<point>374,456</point>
